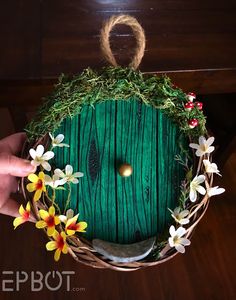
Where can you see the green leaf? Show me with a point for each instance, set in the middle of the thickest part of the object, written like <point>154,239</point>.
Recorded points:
<point>189,174</point>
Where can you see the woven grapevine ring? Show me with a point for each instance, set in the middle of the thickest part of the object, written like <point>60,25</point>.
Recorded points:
<point>89,88</point>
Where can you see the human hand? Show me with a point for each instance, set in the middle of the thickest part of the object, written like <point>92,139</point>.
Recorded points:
<point>11,167</point>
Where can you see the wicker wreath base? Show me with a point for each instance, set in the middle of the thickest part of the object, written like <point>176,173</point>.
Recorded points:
<point>82,250</point>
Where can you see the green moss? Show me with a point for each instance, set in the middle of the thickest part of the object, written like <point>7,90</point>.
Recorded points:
<point>112,83</point>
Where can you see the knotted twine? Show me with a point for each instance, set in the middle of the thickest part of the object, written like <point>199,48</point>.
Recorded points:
<point>137,31</point>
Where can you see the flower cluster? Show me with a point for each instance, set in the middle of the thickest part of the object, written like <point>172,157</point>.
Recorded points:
<point>59,177</point>
<point>50,221</point>
<point>203,149</point>
<point>181,217</point>
<point>58,227</point>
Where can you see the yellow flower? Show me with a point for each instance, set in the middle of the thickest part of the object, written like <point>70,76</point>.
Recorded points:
<point>25,214</point>
<point>49,220</point>
<point>37,184</point>
<point>72,226</point>
<point>59,244</point>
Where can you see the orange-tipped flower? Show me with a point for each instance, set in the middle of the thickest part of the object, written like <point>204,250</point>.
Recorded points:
<point>37,184</point>
<point>72,226</point>
<point>49,220</point>
<point>24,216</point>
<point>59,244</point>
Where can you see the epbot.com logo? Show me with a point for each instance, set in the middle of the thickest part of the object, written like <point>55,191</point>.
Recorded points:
<point>52,280</point>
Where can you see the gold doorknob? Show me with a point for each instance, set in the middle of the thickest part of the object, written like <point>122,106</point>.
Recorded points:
<point>125,170</point>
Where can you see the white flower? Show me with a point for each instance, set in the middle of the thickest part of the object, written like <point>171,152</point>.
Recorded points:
<point>204,146</point>
<point>54,181</point>
<point>180,216</point>
<point>41,158</point>
<point>69,215</point>
<point>57,141</point>
<point>176,240</point>
<point>196,187</point>
<point>210,167</point>
<point>215,191</point>
<point>68,175</point>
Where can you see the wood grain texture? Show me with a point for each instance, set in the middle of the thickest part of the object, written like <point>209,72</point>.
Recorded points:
<point>46,38</point>
<point>20,33</point>
<point>193,42</point>
<point>170,173</point>
<point>179,35</point>
<point>116,208</point>
<point>136,144</point>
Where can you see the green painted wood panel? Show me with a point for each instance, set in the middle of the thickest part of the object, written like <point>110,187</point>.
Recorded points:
<point>116,208</point>
<point>136,195</point>
<point>170,172</point>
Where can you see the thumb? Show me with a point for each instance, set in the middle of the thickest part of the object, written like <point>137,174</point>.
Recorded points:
<point>12,165</point>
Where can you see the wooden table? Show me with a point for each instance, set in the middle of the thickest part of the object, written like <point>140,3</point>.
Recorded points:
<point>194,42</point>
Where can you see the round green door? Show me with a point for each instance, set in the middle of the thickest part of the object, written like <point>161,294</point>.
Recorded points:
<point>116,208</point>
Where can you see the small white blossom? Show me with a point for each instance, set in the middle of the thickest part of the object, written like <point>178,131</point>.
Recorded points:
<point>176,240</point>
<point>204,146</point>
<point>215,191</point>
<point>57,141</point>
<point>53,181</point>
<point>180,216</point>
<point>211,167</point>
<point>41,158</point>
<point>69,176</point>
<point>69,215</point>
<point>196,187</point>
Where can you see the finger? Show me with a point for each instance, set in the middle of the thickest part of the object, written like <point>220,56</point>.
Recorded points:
<point>10,164</point>
<point>8,185</point>
<point>13,143</point>
<point>11,208</point>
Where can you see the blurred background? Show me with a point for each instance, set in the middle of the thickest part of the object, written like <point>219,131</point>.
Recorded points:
<point>193,42</point>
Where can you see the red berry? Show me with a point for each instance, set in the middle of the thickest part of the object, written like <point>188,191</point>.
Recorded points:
<point>199,105</point>
<point>193,123</point>
<point>189,105</point>
<point>191,96</point>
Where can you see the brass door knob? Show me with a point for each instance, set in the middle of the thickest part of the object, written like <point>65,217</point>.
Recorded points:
<point>125,170</point>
